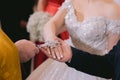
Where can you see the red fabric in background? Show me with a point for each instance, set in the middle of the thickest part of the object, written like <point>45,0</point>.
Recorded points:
<point>64,35</point>
<point>50,8</point>
<point>40,57</point>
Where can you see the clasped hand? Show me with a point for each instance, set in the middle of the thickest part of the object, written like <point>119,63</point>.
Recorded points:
<point>57,50</point>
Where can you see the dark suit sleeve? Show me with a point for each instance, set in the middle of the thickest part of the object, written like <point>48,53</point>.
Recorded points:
<point>91,64</point>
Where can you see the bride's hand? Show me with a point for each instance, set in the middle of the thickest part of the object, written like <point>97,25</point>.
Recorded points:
<point>61,52</point>
<point>53,49</point>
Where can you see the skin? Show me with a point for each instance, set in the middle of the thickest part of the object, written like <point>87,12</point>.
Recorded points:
<point>41,5</point>
<point>109,10</point>
<point>26,49</point>
<point>66,52</point>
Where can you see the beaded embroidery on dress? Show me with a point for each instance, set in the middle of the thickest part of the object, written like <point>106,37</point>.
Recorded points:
<point>89,35</point>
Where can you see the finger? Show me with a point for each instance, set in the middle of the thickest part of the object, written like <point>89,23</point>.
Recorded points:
<point>52,52</point>
<point>60,51</point>
<point>57,53</point>
<point>36,50</point>
<point>48,50</point>
<point>45,52</point>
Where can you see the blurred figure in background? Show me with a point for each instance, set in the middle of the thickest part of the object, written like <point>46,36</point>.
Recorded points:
<point>44,10</point>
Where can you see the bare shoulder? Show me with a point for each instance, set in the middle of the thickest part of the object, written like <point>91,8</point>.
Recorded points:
<point>113,10</point>
<point>116,9</point>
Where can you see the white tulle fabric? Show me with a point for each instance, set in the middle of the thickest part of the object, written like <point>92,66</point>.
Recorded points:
<point>89,35</point>
<point>54,70</point>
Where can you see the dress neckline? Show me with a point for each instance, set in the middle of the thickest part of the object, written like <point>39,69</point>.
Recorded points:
<point>92,17</point>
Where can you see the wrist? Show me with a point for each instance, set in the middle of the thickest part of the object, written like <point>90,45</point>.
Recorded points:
<point>49,38</point>
<point>51,44</point>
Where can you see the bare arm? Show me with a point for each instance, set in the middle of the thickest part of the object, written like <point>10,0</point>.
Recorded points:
<point>55,25</point>
<point>113,31</point>
<point>113,38</point>
<point>41,5</point>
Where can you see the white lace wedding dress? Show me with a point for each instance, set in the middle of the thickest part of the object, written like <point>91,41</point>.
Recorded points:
<point>90,35</point>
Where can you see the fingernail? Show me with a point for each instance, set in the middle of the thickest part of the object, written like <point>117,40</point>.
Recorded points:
<point>54,57</point>
<point>61,56</point>
<point>48,52</point>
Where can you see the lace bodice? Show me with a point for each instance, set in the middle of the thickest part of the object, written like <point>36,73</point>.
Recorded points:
<point>90,35</point>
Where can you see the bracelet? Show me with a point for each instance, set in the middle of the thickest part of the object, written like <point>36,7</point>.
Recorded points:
<point>51,44</point>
